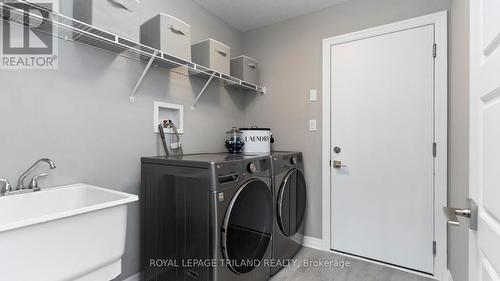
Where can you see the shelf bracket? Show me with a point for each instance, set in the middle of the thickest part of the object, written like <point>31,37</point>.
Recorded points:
<point>148,66</point>
<point>202,91</point>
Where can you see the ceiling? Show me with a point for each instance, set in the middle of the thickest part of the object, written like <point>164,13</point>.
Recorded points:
<point>246,15</point>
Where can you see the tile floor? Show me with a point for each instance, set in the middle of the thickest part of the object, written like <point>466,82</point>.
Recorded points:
<point>357,271</point>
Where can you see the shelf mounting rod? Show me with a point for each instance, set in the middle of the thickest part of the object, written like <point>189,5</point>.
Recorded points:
<point>148,66</point>
<point>202,91</point>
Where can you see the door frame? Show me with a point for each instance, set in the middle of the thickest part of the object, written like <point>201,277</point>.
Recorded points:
<point>439,20</point>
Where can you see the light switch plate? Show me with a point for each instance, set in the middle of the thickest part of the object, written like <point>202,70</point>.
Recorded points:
<point>313,95</point>
<point>312,125</point>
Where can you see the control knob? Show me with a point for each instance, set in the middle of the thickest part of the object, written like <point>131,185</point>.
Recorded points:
<point>252,168</point>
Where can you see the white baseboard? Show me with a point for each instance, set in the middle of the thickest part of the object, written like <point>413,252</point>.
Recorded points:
<point>450,277</point>
<point>313,242</point>
<point>135,277</point>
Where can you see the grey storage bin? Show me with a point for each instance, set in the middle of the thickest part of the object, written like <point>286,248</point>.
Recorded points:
<point>168,34</point>
<point>120,17</point>
<point>212,54</point>
<point>246,69</point>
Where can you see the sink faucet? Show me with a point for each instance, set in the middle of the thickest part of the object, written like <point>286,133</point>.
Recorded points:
<point>20,181</point>
<point>4,187</point>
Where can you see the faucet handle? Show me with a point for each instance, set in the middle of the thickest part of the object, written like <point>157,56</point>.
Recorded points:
<point>34,182</point>
<point>5,187</point>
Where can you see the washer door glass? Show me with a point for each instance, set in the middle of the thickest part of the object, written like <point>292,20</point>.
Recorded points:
<point>248,226</point>
<point>291,205</point>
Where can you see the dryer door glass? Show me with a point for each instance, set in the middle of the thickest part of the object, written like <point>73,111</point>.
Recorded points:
<point>291,205</point>
<point>248,226</point>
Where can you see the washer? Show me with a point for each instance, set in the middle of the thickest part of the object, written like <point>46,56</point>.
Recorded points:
<point>210,208</point>
<point>290,197</point>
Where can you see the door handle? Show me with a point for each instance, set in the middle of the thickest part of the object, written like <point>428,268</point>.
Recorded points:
<point>471,212</point>
<point>337,164</point>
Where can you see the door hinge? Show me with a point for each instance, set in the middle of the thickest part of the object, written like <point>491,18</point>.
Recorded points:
<point>434,50</point>
<point>434,149</point>
<point>330,163</point>
<point>434,248</point>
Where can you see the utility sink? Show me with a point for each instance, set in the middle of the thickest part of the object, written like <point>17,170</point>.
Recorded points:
<point>73,232</point>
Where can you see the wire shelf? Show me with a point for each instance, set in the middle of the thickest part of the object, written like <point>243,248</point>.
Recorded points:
<point>69,29</point>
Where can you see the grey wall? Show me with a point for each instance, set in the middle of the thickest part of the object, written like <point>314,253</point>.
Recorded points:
<point>458,178</point>
<point>80,116</point>
<point>290,60</point>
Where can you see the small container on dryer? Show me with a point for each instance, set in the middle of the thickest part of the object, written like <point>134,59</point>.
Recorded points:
<point>257,140</point>
<point>234,141</point>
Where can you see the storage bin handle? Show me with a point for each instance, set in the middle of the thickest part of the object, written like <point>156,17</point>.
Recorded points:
<point>176,30</point>
<point>221,52</point>
<point>122,4</point>
<point>252,65</point>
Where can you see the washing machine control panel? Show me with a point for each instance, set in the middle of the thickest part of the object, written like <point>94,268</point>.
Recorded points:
<point>231,172</point>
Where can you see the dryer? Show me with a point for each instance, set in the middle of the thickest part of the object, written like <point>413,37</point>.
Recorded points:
<point>289,198</point>
<point>209,215</point>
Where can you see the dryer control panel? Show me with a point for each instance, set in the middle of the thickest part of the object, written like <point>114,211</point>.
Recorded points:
<point>231,172</point>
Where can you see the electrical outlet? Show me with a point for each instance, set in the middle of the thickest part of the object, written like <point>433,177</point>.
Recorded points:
<point>312,125</point>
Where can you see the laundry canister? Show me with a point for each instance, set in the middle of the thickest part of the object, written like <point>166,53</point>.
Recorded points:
<point>257,140</point>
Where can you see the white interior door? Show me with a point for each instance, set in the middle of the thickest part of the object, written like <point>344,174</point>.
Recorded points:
<point>484,245</point>
<point>382,129</point>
